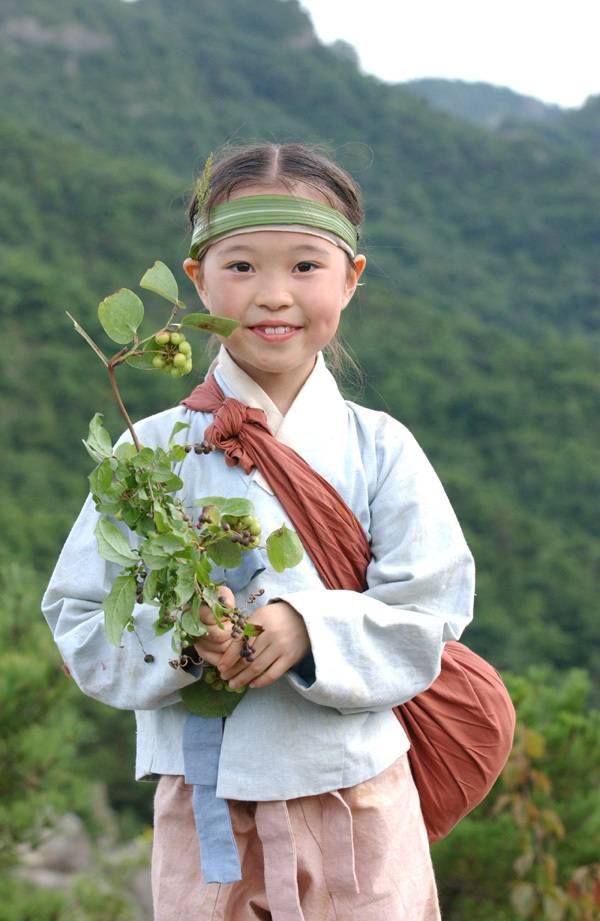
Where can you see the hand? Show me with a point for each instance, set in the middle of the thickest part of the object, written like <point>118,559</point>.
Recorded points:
<point>283,642</point>
<point>213,644</point>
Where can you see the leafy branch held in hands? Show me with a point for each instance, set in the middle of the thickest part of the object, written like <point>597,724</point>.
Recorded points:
<point>171,568</point>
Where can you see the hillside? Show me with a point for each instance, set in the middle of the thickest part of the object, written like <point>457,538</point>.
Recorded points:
<point>489,408</point>
<point>514,115</point>
<point>483,103</point>
<point>482,266</point>
<point>470,221</point>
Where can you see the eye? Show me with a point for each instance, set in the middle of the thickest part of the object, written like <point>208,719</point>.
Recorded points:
<point>300,264</point>
<point>245,267</point>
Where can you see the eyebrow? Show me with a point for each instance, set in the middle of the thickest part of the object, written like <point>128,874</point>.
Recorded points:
<point>301,247</point>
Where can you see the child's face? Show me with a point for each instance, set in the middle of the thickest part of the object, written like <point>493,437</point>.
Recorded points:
<point>287,290</point>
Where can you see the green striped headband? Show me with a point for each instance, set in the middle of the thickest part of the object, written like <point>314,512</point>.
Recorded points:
<point>273,212</point>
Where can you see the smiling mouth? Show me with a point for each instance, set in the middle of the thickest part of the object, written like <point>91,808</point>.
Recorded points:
<point>279,333</point>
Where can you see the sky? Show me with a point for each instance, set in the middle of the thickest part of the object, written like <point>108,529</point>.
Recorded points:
<point>542,48</point>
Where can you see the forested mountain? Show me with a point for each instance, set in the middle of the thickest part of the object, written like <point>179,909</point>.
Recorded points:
<point>452,211</point>
<point>512,114</point>
<point>478,326</point>
<point>482,103</point>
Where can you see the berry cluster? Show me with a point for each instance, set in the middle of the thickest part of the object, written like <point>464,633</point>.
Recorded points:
<point>246,530</point>
<point>211,676</point>
<point>174,354</point>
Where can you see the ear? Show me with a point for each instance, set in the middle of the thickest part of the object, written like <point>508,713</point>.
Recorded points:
<point>193,269</point>
<point>360,263</point>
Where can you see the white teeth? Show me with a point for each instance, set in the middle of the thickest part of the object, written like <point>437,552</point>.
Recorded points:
<point>277,330</point>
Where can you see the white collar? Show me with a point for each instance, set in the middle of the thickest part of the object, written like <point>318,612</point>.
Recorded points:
<point>241,386</point>
<point>316,420</point>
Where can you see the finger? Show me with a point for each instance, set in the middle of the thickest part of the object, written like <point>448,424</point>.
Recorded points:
<point>270,675</point>
<point>252,670</point>
<point>220,644</point>
<point>227,599</point>
<point>206,615</point>
<point>212,658</point>
<point>232,662</point>
<point>238,666</point>
<point>226,596</point>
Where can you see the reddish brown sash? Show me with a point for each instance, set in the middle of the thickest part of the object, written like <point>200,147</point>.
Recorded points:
<point>461,728</point>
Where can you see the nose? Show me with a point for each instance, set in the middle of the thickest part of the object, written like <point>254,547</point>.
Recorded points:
<point>274,294</point>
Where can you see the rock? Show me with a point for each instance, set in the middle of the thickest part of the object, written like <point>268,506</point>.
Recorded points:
<point>64,849</point>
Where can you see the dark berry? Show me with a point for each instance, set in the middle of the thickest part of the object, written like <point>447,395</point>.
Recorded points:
<point>148,657</point>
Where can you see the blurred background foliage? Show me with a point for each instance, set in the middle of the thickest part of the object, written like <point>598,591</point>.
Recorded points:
<point>478,327</point>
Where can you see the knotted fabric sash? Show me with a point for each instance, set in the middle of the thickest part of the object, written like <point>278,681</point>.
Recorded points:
<point>461,728</point>
<point>330,531</point>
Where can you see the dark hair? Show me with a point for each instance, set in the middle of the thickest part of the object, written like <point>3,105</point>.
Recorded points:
<point>286,164</point>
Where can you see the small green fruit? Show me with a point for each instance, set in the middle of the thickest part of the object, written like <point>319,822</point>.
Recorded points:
<point>179,360</point>
<point>158,361</point>
<point>177,338</point>
<point>162,338</point>
<point>176,372</point>
<point>185,347</point>
<point>188,366</point>
<point>253,525</point>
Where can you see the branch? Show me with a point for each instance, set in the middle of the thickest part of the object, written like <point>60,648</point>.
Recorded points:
<point>88,339</point>
<point>121,405</point>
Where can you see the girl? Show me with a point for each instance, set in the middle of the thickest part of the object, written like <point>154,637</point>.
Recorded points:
<point>311,811</point>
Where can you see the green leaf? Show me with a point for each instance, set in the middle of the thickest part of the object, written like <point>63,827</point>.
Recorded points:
<point>160,279</point>
<point>143,361</point>
<point>125,451</point>
<point>203,568</point>
<point>199,698</point>
<point>101,477</point>
<point>210,596</point>
<point>192,624</point>
<point>284,549</point>
<point>154,559</point>
<point>160,626</point>
<point>151,585</point>
<point>143,458</point>
<point>237,508</point>
<point>171,481</point>
<point>177,453</point>
<point>120,314</point>
<point>185,585</point>
<point>112,545</point>
<point>118,607</point>
<point>219,501</point>
<point>252,630</point>
<point>170,542</point>
<point>98,444</point>
<point>222,326</point>
<point>226,554</point>
<point>161,520</point>
<point>178,427</point>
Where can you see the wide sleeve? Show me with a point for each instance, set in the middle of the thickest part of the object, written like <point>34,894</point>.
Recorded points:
<point>376,649</point>
<point>72,606</point>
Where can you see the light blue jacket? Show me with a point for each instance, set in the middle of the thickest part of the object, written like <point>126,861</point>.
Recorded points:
<point>371,650</point>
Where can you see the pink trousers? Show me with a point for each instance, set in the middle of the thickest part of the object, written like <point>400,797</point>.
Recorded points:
<point>358,854</point>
